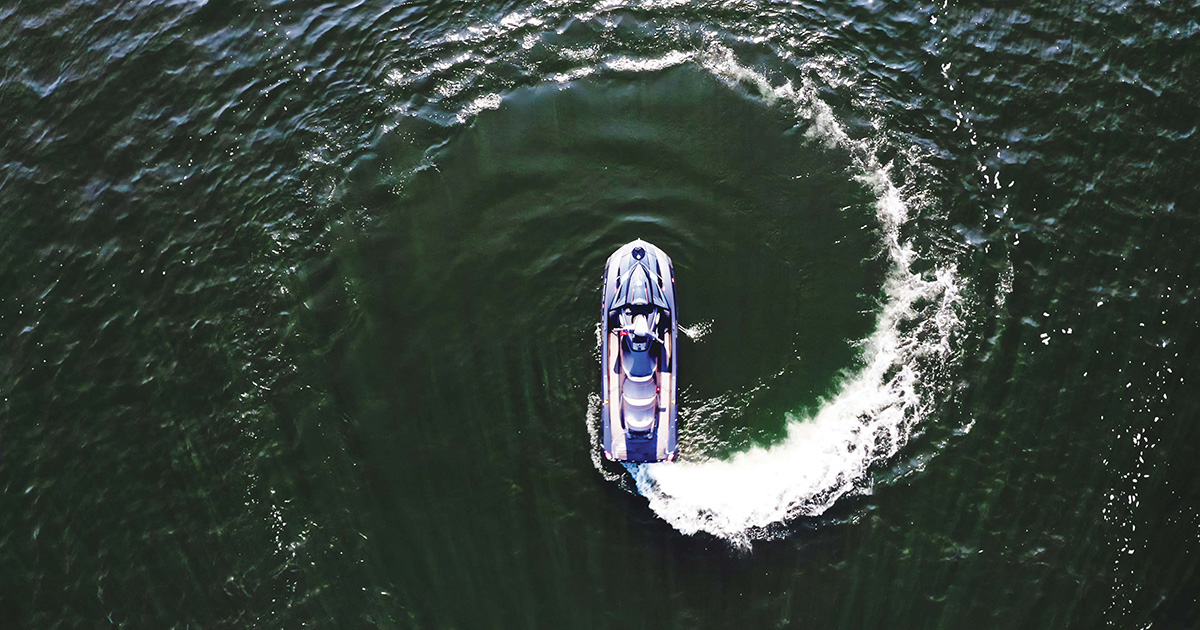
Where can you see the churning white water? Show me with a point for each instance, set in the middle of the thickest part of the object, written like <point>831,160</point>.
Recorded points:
<point>826,454</point>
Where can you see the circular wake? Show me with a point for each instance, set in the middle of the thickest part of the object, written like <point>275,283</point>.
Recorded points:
<point>875,408</point>
<point>827,454</point>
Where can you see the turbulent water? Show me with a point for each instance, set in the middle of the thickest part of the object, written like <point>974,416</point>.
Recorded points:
<point>297,314</point>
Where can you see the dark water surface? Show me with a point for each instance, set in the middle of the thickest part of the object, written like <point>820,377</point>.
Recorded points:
<point>297,309</point>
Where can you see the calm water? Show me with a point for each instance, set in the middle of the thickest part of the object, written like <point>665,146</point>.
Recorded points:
<point>297,314</point>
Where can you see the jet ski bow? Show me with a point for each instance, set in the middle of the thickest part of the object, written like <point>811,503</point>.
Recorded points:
<point>639,335</point>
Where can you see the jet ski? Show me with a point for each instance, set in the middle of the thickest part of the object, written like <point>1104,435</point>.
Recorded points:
<point>639,335</point>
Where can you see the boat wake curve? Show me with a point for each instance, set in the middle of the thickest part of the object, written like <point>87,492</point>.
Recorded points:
<point>826,454</point>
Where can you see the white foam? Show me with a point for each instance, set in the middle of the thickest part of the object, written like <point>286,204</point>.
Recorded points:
<point>594,435</point>
<point>827,454</point>
<point>696,332</point>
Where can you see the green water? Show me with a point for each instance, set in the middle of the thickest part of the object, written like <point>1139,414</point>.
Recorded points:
<point>297,314</point>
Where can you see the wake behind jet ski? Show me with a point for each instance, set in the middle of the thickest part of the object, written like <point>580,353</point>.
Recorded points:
<point>640,333</point>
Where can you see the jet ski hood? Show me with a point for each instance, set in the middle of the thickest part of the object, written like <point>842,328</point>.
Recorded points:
<point>638,286</point>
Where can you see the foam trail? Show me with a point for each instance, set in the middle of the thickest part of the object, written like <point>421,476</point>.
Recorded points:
<point>593,425</point>
<point>828,455</point>
<point>822,457</point>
